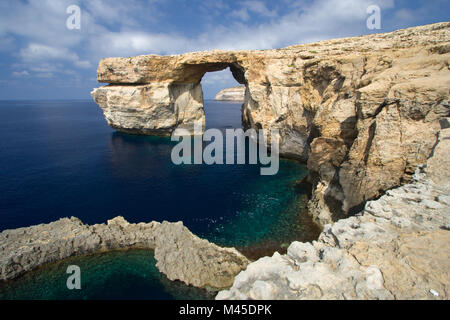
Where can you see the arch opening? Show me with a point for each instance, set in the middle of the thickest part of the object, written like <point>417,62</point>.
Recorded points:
<point>223,96</point>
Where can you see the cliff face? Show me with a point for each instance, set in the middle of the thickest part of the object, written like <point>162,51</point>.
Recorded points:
<point>396,248</point>
<point>363,112</point>
<point>153,108</point>
<point>231,94</point>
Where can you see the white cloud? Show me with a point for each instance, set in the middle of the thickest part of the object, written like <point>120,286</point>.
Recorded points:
<point>134,43</point>
<point>241,14</point>
<point>219,77</point>
<point>317,20</point>
<point>45,75</point>
<point>83,64</point>
<point>7,43</point>
<point>44,67</point>
<point>39,21</point>
<point>36,51</point>
<point>125,13</point>
<point>23,73</point>
<point>252,6</point>
<point>259,7</point>
<point>43,23</point>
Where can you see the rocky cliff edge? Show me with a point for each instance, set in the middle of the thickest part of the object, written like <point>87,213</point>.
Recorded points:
<point>396,248</point>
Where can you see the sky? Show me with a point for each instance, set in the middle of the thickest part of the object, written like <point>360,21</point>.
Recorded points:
<point>41,58</point>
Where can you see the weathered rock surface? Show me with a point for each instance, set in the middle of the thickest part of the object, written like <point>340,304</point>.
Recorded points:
<point>396,248</point>
<point>201,263</point>
<point>156,108</point>
<point>231,94</point>
<point>437,167</point>
<point>180,254</point>
<point>350,107</point>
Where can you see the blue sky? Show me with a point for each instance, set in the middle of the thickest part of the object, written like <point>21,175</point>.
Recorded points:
<point>40,58</point>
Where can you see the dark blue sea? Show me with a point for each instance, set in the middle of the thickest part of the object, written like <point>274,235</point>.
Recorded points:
<point>60,159</point>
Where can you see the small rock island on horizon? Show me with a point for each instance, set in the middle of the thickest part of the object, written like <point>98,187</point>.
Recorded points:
<point>231,94</point>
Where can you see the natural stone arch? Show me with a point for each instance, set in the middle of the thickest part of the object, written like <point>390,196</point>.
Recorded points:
<point>187,68</point>
<point>157,94</point>
<point>195,72</point>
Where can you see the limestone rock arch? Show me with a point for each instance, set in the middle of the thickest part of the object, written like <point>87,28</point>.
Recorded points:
<point>158,94</point>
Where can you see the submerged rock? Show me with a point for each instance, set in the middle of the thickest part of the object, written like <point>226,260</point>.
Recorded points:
<point>180,254</point>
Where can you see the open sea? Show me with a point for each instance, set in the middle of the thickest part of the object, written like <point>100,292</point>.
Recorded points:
<point>60,159</point>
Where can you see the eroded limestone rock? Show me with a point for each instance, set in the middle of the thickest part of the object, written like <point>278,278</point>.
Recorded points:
<point>180,254</point>
<point>156,108</point>
<point>396,248</point>
<point>199,262</point>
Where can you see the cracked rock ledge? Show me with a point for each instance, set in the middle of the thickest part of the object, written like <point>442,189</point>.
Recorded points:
<point>180,255</point>
<point>397,247</point>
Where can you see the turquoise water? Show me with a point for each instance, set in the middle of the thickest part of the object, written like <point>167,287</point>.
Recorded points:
<point>271,215</point>
<point>62,160</point>
<point>113,275</point>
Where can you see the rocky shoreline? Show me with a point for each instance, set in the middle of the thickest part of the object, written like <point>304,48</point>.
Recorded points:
<point>396,248</point>
<point>180,255</point>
